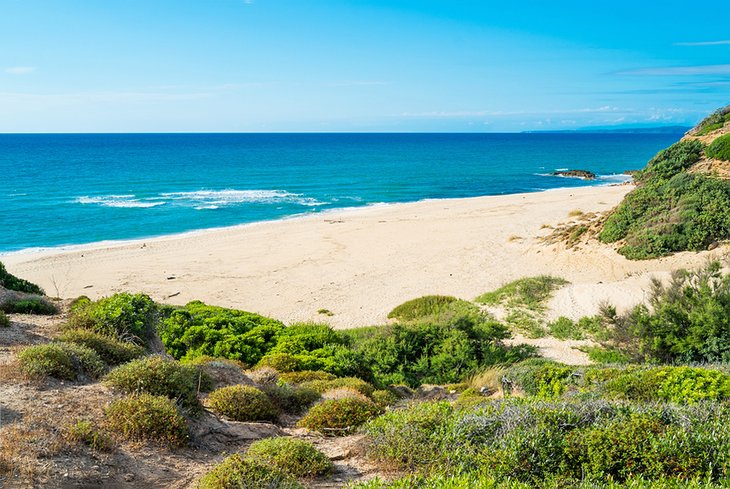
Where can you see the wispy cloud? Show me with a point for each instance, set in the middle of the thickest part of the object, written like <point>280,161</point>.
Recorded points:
<point>357,83</point>
<point>20,70</point>
<point>679,70</point>
<point>703,43</point>
<point>499,113</point>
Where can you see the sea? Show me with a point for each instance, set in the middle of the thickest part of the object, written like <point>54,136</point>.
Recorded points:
<point>71,189</point>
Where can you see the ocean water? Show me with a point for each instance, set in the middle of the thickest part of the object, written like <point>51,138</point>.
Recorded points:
<point>66,189</point>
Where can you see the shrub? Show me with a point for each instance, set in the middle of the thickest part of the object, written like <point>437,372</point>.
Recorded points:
<point>291,398</point>
<point>423,306</point>
<point>198,329</point>
<point>713,122</point>
<point>565,329</point>
<point>384,398</point>
<point>242,403</point>
<point>11,282</point>
<point>344,392</point>
<point>89,434</point>
<point>720,148</point>
<point>111,350</point>
<point>222,371</point>
<point>412,437</point>
<point>295,457</point>
<point>530,292</point>
<point>30,305</point>
<point>159,376</point>
<point>281,362</point>
<point>305,376</point>
<point>146,417</point>
<point>4,320</point>
<point>354,383</point>
<point>339,416</point>
<point>538,377</point>
<point>60,360</point>
<point>124,316</point>
<point>689,320</point>
<point>237,473</point>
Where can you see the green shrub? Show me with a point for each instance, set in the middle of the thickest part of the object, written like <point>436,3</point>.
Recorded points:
<point>4,320</point>
<point>159,376</point>
<point>323,386</point>
<point>11,282</point>
<point>672,209</point>
<point>111,350</point>
<point>538,377</point>
<point>565,329</point>
<point>30,305</point>
<point>689,320</point>
<point>384,398</point>
<point>60,360</point>
<point>221,371</point>
<point>339,417</point>
<point>413,437</point>
<point>146,417</point>
<point>294,457</point>
<point>291,398</point>
<point>713,122</point>
<point>599,354</point>
<point>281,362</point>
<point>530,292</point>
<point>237,473</point>
<point>198,329</point>
<point>305,376</point>
<point>720,148</point>
<point>242,403</point>
<point>423,306</point>
<point>89,434</point>
<point>123,315</point>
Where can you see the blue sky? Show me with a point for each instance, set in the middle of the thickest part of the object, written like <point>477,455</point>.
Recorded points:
<point>420,65</point>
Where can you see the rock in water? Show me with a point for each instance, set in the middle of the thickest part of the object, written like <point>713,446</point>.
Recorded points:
<point>582,174</point>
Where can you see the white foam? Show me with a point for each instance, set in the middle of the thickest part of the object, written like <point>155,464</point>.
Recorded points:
<point>129,201</point>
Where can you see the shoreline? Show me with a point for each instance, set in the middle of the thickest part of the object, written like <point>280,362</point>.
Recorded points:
<point>361,262</point>
<point>66,248</point>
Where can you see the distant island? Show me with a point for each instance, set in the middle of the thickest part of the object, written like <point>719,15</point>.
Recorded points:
<point>618,130</point>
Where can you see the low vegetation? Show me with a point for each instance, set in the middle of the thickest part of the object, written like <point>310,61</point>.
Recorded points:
<point>242,403</point>
<point>339,417</point>
<point>421,307</point>
<point>713,122</point>
<point>237,473</point>
<point>295,457</point>
<point>11,282</point>
<point>29,305</point>
<point>720,148</point>
<point>128,317</point>
<point>4,320</point>
<point>145,417</point>
<point>111,350</point>
<point>60,360</point>
<point>159,376</point>
<point>671,209</point>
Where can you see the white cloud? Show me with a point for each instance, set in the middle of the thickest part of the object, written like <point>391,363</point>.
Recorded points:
<point>703,43</point>
<point>20,70</point>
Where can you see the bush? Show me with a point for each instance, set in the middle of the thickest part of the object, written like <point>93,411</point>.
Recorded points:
<point>111,350</point>
<point>87,433</point>
<point>4,320</point>
<point>689,320</point>
<point>354,383</point>
<point>11,282</point>
<point>30,305</point>
<point>124,316</point>
<point>60,360</point>
<point>305,376</point>
<point>291,398</point>
<point>159,376</point>
<point>423,306</point>
<point>538,377</point>
<point>295,457</point>
<point>720,148</point>
<point>714,121</point>
<point>237,473</point>
<point>339,417</point>
<point>200,330</point>
<point>281,362</point>
<point>146,417</point>
<point>529,292</point>
<point>384,398</point>
<point>242,403</point>
<point>222,371</point>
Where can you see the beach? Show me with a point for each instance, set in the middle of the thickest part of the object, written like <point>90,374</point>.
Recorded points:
<point>360,263</point>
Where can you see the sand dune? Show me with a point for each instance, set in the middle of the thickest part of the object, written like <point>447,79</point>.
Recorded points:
<point>360,263</point>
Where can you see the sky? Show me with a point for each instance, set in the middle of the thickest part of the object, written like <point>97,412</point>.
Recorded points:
<point>359,66</point>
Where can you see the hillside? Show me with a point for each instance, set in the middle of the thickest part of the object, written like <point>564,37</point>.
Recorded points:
<point>682,199</point>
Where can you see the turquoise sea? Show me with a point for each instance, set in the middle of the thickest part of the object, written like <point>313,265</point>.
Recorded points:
<point>66,189</point>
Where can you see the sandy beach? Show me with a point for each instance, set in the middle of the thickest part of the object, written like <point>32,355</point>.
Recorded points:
<point>360,263</point>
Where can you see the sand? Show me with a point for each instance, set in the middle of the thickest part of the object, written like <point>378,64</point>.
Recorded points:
<point>360,263</point>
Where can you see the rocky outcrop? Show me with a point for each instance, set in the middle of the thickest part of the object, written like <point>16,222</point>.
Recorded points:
<point>582,174</point>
